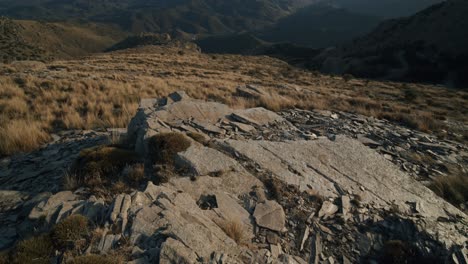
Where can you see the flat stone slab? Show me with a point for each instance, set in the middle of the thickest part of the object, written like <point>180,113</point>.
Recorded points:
<point>256,116</point>
<point>334,168</point>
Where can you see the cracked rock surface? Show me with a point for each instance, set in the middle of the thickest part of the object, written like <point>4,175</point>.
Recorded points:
<point>298,186</point>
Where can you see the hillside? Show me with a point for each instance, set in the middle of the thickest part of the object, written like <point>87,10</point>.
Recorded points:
<point>385,8</point>
<point>13,46</point>
<point>319,26</point>
<point>164,154</point>
<point>195,17</point>
<point>33,40</point>
<point>431,46</point>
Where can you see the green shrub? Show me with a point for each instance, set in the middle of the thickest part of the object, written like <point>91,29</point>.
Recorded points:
<point>71,233</point>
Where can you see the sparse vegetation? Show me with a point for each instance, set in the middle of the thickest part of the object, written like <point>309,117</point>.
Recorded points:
<point>102,165</point>
<point>97,259</point>
<point>37,250</point>
<point>452,188</point>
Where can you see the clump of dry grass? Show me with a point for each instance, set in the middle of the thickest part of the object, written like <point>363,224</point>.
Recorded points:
<point>453,188</point>
<point>21,136</point>
<point>234,230</point>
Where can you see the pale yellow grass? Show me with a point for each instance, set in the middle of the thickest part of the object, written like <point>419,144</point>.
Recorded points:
<point>104,90</point>
<point>235,230</point>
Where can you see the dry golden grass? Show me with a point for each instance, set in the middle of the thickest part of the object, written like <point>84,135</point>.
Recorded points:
<point>104,90</point>
<point>21,135</point>
<point>453,188</point>
<point>234,230</point>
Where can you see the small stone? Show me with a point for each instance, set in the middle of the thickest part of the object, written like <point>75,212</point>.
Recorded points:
<point>328,209</point>
<point>305,236</point>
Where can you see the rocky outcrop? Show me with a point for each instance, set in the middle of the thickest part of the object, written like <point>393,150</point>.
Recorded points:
<point>262,187</point>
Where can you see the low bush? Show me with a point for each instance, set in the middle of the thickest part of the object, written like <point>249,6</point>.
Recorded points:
<point>102,166</point>
<point>71,233</point>
<point>164,146</point>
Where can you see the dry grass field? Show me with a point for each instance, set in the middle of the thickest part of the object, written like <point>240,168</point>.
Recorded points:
<point>103,90</point>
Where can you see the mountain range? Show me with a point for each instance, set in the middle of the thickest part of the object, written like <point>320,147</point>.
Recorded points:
<point>430,46</point>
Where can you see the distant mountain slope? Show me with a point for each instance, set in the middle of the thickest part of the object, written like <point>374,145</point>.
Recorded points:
<point>13,46</point>
<point>320,26</point>
<point>32,40</point>
<point>192,16</point>
<point>385,8</point>
<point>430,46</point>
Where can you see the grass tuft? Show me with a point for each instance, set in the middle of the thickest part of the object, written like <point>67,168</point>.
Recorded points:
<point>234,230</point>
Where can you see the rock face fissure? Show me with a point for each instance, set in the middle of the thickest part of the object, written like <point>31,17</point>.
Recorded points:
<point>255,187</point>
